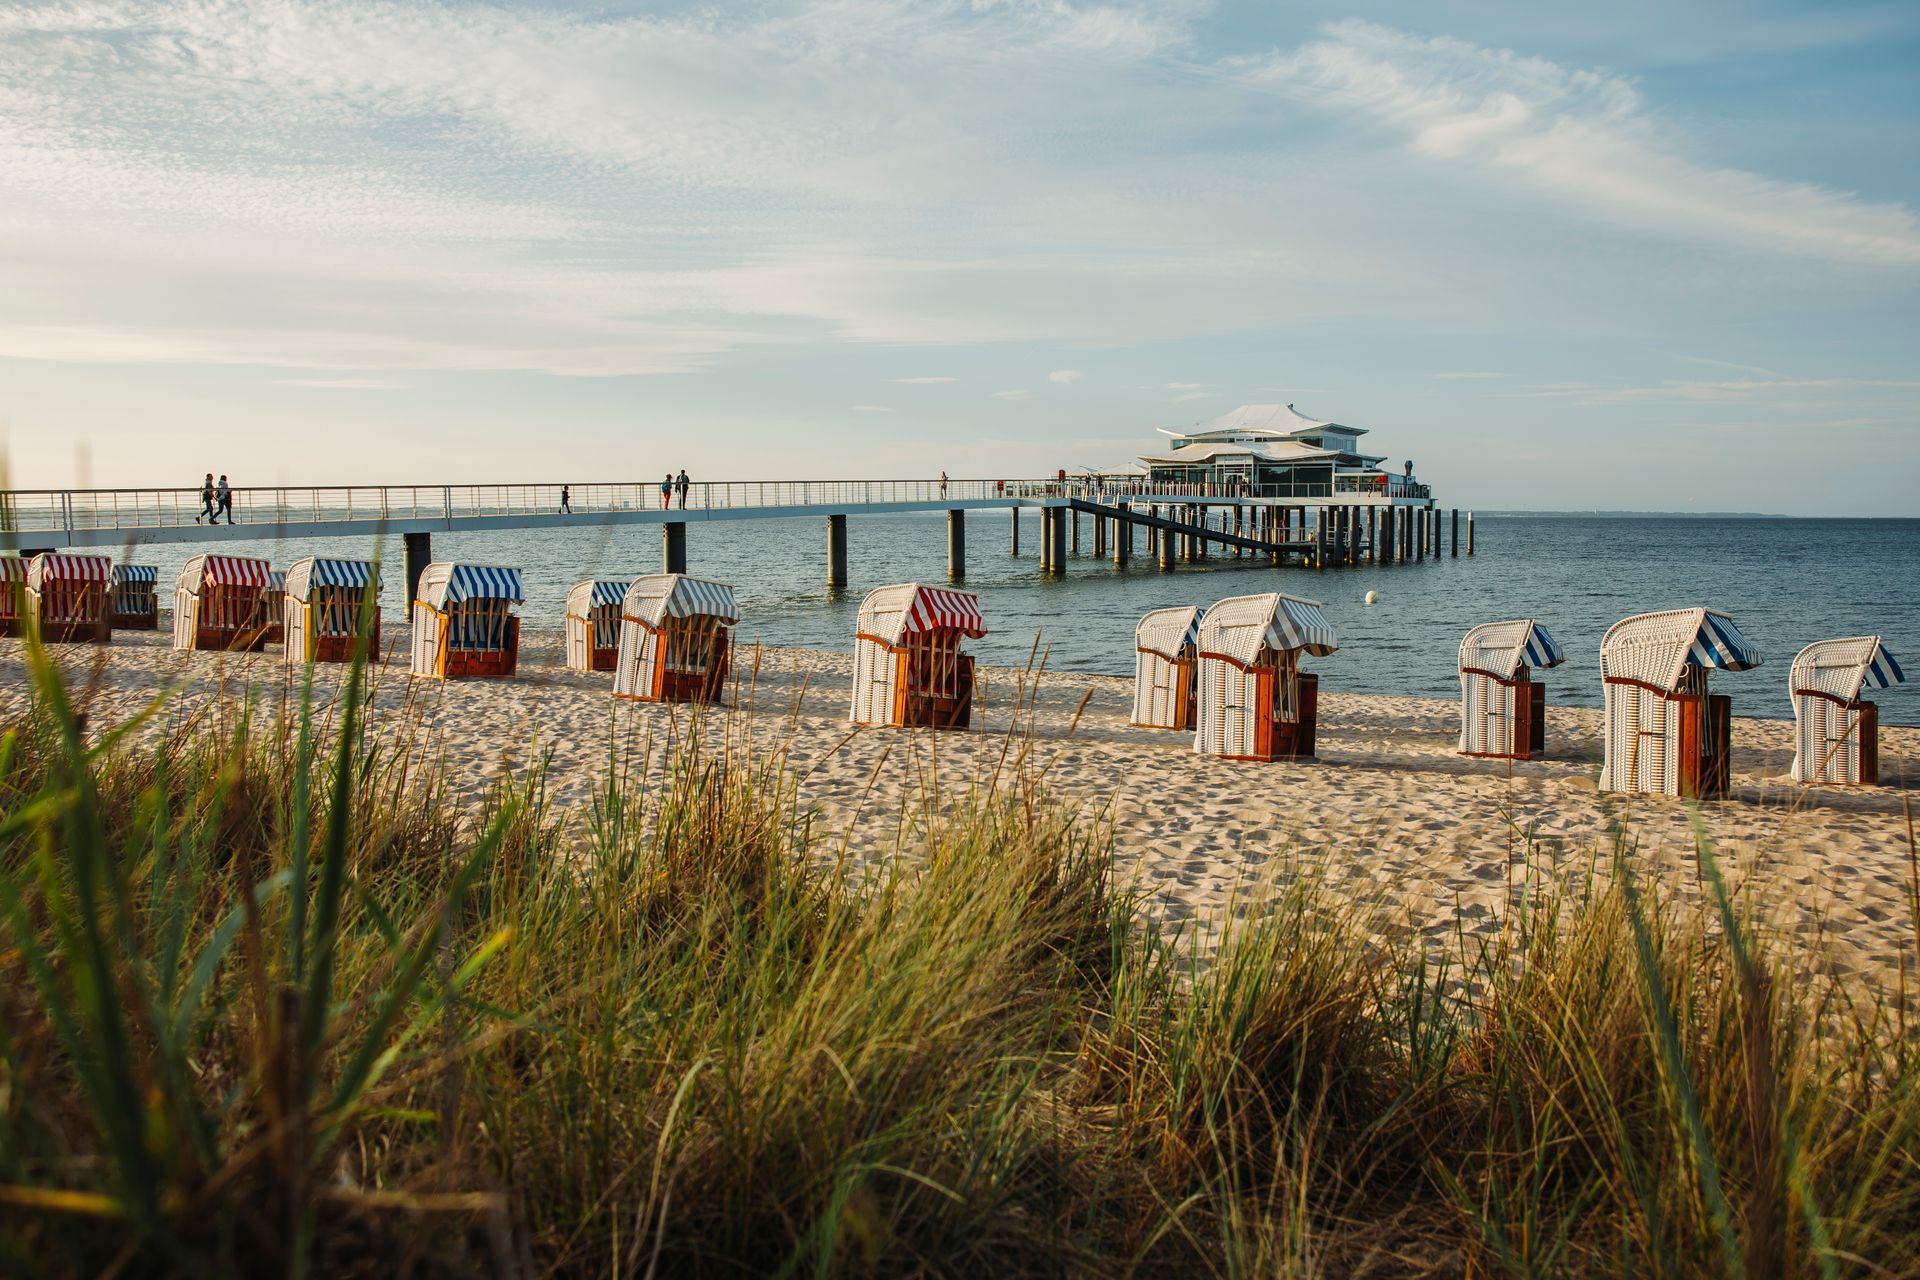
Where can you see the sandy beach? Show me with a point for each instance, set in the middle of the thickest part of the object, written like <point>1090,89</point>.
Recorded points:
<point>1431,840</point>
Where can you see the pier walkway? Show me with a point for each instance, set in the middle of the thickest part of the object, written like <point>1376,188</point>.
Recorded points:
<point>1180,523</point>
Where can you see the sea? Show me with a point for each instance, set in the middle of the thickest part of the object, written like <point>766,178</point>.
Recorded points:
<point>1785,582</point>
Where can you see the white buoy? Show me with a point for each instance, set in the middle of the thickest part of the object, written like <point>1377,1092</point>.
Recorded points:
<point>1372,596</point>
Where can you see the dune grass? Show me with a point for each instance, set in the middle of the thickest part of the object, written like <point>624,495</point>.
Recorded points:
<point>270,1005</point>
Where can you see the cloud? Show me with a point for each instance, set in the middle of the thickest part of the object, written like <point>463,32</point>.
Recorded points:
<point>1064,376</point>
<point>1791,394</point>
<point>1012,395</point>
<point>1582,137</point>
<point>1468,376</point>
<point>373,185</point>
<point>342,384</point>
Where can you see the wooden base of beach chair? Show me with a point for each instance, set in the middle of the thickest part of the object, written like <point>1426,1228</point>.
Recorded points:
<point>99,631</point>
<point>1529,723</point>
<point>936,712</point>
<point>340,648</point>
<point>230,639</point>
<point>1706,736</point>
<point>487,664</point>
<point>148,621</point>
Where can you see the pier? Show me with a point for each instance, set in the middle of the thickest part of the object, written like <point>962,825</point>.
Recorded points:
<point>1181,523</point>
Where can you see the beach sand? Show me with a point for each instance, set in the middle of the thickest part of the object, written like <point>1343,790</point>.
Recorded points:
<point>1431,841</point>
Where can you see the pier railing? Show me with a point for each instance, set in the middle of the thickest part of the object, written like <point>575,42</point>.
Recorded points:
<point>54,511</point>
<point>25,513</point>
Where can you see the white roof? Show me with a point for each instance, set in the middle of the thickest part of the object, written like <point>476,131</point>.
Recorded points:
<point>1841,668</point>
<point>1270,450</point>
<point>659,596</point>
<point>1167,631</point>
<point>1266,419</point>
<point>1240,626</point>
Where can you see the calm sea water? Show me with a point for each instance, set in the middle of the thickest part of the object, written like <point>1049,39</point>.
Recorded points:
<point>1786,582</point>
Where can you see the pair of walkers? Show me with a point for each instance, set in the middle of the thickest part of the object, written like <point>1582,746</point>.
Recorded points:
<point>216,500</point>
<point>672,484</point>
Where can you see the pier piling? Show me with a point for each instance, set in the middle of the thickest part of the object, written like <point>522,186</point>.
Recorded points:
<point>673,546</point>
<point>1060,518</point>
<point>1016,533</point>
<point>1469,533</point>
<point>836,552</point>
<point>956,544</point>
<point>1456,532</point>
<point>1073,541</point>
<point>419,555</point>
<point>1123,539</point>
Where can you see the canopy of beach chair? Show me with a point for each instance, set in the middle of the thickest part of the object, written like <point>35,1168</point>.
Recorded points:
<point>1659,647</point>
<point>223,571</point>
<point>445,583</point>
<point>596,593</point>
<point>1505,647</point>
<point>659,596</point>
<point>1843,668</point>
<point>53,566</point>
<point>1168,631</point>
<point>1240,626</point>
<point>303,576</point>
<point>135,573</point>
<point>890,613</point>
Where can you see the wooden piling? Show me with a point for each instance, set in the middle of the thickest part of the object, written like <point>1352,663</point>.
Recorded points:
<point>1123,537</point>
<point>957,544</point>
<point>419,547</point>
<point>1456,532</point>
<point>673,546</point>
<point>837,552</point>
<point>1469,533</point>
<point>1016,533</point>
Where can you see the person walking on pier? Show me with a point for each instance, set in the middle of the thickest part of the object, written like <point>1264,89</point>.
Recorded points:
<point>683,484</point>
<point>226,502</point>
<point>666,491</point>
<point>943,482</point>
<point>566,499</point>
<point>207,508</point>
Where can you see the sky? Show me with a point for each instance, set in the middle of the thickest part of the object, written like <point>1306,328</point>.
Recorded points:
<point>1634,256</point>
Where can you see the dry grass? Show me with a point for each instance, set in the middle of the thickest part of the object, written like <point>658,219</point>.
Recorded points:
<point>267,1004</point>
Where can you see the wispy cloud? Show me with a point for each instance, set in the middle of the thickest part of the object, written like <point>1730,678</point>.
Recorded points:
<point>342,384</point>
<point>1786,393</point>
<point>1016,394</point>
<point>1468,376</point>
<point>379,185</point>
<point>1064,376</point>
<point>1584,137</point>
